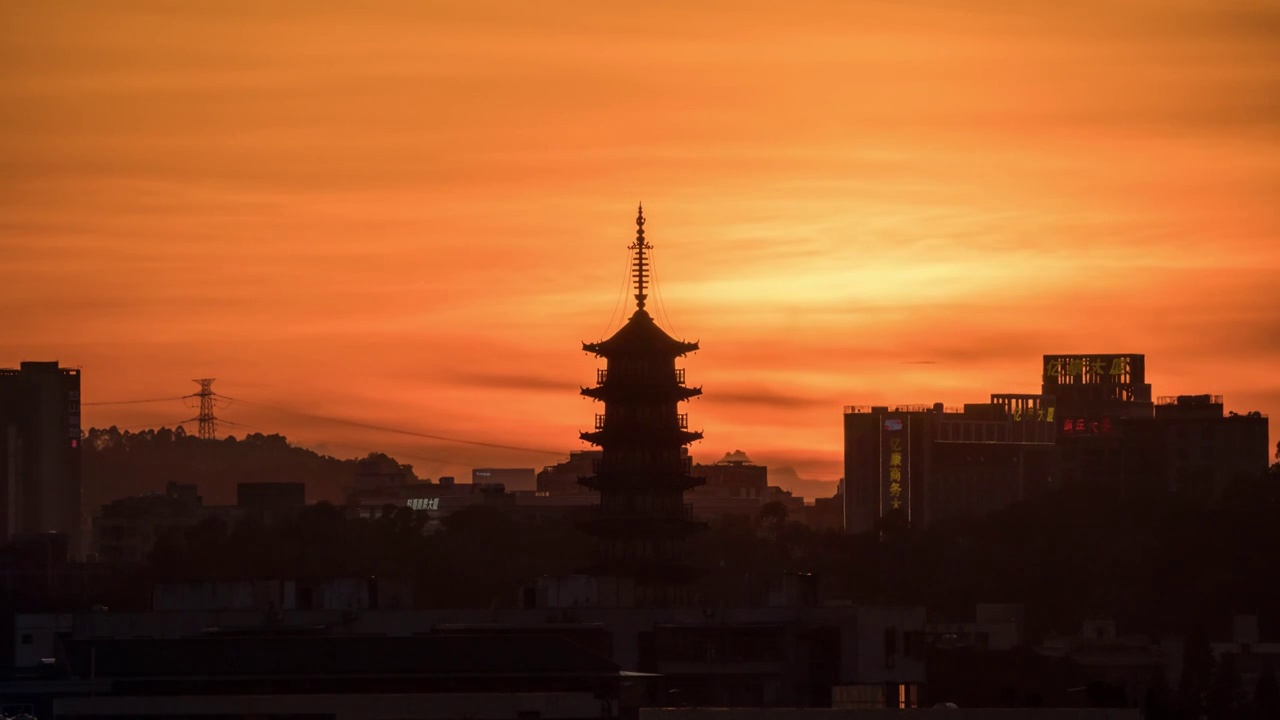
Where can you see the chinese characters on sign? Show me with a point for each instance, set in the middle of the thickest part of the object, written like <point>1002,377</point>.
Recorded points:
<point>1088,369</point>
<point>1039,414</point>
<point>424,503</point>
<point>895,473</point>
<point>894,442</point>
<point>1084,426</point>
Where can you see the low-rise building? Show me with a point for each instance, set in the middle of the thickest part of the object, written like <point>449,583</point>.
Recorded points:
<point>125,531</point>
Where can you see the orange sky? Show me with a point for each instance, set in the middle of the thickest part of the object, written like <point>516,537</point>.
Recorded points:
<point>411,214</point>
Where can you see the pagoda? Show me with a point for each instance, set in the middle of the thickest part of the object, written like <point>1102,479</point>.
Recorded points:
<point>642,520</point>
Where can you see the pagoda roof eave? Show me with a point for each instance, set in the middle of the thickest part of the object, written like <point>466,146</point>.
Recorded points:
<point>606,392</point>
<point>640,336</point>
<point>599,437</point>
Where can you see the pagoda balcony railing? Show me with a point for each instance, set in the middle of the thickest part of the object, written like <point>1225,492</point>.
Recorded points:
<point>680,376</point>
<point>599,421</point>
<point>601,376</point>
<point>682,420</point>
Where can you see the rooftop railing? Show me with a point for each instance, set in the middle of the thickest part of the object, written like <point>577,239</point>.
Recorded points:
<point>867,409</point>
<point>1189,400</point>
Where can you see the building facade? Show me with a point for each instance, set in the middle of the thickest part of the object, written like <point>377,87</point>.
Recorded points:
<point>562,478</point>
<point>734,475</point>
<point>920,464</point>
<point>513,479</point>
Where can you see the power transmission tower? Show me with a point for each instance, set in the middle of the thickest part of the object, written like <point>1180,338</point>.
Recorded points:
<point>208,423</point>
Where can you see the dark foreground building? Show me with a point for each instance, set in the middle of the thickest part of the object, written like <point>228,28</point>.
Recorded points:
<point>1094,421</point>
<point>252,673</point>
<point>642,473</point>
<point>40,452</point>
<point>540,662</point>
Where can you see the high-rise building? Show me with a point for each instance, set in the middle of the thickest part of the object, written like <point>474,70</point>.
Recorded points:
<point>1094,422</point>
<point>40,452</point>
<point>642,473</point>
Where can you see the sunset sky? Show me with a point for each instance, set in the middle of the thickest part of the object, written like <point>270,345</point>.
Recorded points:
<point>411,214</point>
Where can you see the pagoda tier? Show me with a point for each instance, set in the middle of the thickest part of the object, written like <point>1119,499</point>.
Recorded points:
<point>643,472</point>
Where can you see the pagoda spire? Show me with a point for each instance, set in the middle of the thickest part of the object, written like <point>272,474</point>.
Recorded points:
<point>640,269</point>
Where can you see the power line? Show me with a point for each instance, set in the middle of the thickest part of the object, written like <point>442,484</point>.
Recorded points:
<point>403,431</point>
<point>208,421</point>
<point>132,402</point>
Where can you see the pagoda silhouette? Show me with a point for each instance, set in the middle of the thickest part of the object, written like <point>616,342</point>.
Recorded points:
<point>642,521</point>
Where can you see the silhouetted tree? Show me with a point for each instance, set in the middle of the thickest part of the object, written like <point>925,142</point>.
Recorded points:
<point>771,519</point>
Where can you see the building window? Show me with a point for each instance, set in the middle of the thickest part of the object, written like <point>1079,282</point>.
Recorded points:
<point>26,639</point>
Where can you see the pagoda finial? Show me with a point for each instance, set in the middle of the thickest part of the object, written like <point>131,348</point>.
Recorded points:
<point>640,269</point>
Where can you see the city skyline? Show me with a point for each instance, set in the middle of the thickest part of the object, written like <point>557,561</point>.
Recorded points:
<point>411,220</point>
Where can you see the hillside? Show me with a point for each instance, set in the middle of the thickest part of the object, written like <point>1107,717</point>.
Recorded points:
<point>121,464</point>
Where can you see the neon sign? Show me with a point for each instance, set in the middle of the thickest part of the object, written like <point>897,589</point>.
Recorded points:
<point>424,503</point>
<point>1084,426</point>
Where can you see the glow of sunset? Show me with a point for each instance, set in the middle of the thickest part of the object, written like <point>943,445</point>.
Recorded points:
<point>410,214</point>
